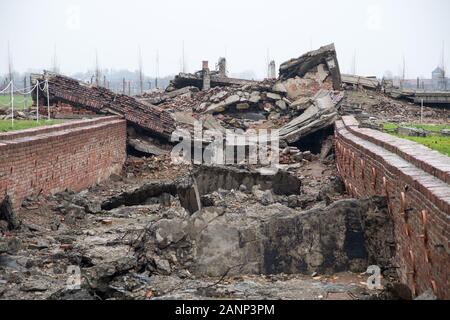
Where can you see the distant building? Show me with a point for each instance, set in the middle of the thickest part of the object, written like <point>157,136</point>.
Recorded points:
<point>438,82</point>
<point>438,78</point>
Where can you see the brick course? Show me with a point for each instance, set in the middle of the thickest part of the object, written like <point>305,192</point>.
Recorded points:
<point>418,191</point>
<point>49,159</point>
<point>69,94</point>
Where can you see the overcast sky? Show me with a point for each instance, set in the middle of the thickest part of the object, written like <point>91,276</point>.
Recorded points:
<point>380,32</point>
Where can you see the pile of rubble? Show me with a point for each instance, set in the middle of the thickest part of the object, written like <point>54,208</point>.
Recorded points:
<point>164,230</point>
<point>22,114</point>
<point>377,106</point>
<point>133,238</point>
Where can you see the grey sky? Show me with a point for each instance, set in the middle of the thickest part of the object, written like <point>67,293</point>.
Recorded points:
<point>380,32</point>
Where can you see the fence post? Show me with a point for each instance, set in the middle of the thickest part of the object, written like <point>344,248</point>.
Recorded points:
<point>37,100</point>
<point>12,103</point>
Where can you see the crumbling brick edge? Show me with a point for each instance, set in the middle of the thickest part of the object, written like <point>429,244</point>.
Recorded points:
<point>418,200</point>
<point>73,155</point>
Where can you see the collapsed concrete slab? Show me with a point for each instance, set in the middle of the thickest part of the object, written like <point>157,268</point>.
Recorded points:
<point>324,60</point>
<point>319,115</point>
<point>104,101</point>
<point>257,239</point>
<point>211,178</point>
<point>365,82</point>
<point>196,80</point>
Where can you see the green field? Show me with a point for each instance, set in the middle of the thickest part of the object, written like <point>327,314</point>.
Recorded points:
<point>19,102</point>
<point>433,141</point>
<point>6,125</point>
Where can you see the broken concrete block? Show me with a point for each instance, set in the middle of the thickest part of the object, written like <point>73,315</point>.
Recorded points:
<point>279,87</point>
<point>300,66</point>
<point>242,106</point>
<point>281,104</point>
<point>162,265</point>
<point>255,97</point>
<point>220,107</point>
<point>34,285</point>
<point>321,114</point>
<point>7,214</point>
<point>273,96</point>
<point>307,155</point>
<point>302,103</point>
<point>411,132</point>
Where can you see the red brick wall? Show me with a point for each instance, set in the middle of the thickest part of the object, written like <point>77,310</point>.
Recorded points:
<point>61,110</point>
<point>375,163</point>
<point>73,156</point>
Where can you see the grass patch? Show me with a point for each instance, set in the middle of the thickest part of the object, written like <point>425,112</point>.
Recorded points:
<point>438,143</point>
<point>433,141</point>
<point>19,102</point>
<point>434,128</point>
<point>6,125</point>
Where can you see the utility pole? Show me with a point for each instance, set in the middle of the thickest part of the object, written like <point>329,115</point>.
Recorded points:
<point>157,69</point>
<point>10,65</point>
<point>403,72</point>
<point>55,60</point>
<point>443,65</point>
<point>404,68</point>
<point>353,70</point>
<point>141,75</point>
<point>97,70</point>
<point>183,68</point>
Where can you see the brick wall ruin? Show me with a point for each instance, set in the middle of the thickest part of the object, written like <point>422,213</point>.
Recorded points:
<point>65,91</point>
<point>49,159</point>
<point>415,181</point>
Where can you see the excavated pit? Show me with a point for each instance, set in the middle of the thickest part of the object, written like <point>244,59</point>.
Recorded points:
<point>348,235</point>
<point>314,141</point>
<point>204,180</point>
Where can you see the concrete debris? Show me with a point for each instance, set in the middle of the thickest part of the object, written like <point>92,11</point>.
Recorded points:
<point>411,132</point>
<point>8,215</point>
<point>323,60</point>
<point>365,82</point>
<point>146,147</point>
<point>165,230</point>
<point>216,239</point>
<point>427,295</point>
<point>318,116</point>
<point>196,80</point>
